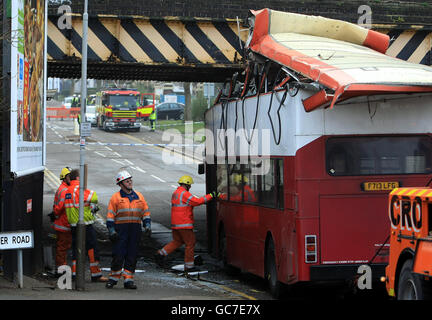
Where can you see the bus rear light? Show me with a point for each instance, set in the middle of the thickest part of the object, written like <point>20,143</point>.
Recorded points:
<point>311,249</point>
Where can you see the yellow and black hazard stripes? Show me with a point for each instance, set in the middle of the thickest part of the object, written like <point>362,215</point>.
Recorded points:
<point>137,40</point>
<point>148,41</point>
<point>410,44</point>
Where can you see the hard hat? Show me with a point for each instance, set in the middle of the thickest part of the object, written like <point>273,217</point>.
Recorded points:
<point>64,172</point>
<point>238,179</point>
<point>186,180</point>
<point>122,175</point>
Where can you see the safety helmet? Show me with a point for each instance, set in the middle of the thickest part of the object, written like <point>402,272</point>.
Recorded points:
<point>122,175</point>
<point>239,177</point>
<point>186,180</point>
<point>64,172</point>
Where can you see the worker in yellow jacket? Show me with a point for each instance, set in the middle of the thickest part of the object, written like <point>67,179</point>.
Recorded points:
<point>72,212</point>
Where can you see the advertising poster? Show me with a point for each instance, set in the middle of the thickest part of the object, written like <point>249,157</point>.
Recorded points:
<point>27,87</point>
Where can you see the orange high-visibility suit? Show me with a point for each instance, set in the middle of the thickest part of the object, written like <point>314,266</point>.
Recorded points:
<point>126,213</point>
<point>182,220</point>
<point>61,226</point>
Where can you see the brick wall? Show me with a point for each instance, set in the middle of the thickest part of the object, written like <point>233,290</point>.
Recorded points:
<point>383,11</point>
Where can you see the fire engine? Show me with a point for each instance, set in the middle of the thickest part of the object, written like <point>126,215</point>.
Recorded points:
<point>148,105</point>
<point>410,264</point>
<point>119,109</point>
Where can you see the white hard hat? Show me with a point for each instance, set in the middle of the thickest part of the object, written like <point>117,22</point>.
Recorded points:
<point>122,175</point>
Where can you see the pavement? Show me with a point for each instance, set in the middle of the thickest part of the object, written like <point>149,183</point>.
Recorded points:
<point>153,282</point>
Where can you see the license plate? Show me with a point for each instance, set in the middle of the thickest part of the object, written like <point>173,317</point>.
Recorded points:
<point>379,186</point>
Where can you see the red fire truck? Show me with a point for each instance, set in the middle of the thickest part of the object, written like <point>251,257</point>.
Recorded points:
<point>121,109</point>
<point>305,146</point>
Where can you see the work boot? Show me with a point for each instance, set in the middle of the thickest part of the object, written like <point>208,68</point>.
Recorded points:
<point>160,260</point>
<point>129,285</point>
<point>110,284</point>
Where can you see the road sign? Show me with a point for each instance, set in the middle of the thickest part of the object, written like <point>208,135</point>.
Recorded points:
<point>16,240</point>
<point>85,129</point>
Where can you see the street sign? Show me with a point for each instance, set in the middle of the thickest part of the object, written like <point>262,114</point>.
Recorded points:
<point>85,129</point>
<point>16,240</point>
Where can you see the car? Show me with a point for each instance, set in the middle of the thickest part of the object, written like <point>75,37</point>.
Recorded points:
<point>170,110</point>
<point>91,115</point>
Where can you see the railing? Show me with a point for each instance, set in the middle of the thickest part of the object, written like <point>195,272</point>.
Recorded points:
<point>62,113</point>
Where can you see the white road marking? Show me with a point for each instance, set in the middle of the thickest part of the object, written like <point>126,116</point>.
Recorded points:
<point>157,178</point>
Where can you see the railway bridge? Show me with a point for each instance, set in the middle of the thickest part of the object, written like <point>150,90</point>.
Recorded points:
<point>171,40</point>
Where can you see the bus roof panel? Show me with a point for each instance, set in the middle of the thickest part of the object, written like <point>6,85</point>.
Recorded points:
<point>339,55</point>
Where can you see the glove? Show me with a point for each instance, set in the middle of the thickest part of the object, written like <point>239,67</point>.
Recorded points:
<point>147,227</point>
<point>215,194</point>
<point>147,232</point>
<point>52,216</point>
<point>113,235</point>
<point>94,208</point>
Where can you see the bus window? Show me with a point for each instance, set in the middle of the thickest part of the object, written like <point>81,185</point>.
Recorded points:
<point>267,194</point>
<point>250,184</point>
<point>349,156</point>
<point>415,164</point>
<point>235,185</point>
<point>222,180</point>
<point>279,183</point>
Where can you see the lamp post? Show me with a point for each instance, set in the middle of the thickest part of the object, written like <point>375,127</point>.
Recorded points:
<point>81,227</point>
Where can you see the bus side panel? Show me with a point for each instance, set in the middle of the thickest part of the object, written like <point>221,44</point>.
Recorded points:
<point>352,227</point>
<point>229,216</point>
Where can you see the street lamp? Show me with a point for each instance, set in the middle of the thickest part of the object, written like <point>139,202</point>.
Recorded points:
<point>81,227</point>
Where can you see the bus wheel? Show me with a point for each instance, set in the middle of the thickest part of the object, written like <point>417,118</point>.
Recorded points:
<point>271,271</point>
<point>229,269</point>
<point>411,286</point>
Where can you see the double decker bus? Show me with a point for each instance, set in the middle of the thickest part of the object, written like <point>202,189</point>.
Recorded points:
<point>306,145</point>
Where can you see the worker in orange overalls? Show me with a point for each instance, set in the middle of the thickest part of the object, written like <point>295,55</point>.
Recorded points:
<point>127,211</point>
<point>182,220</point>
<point>60,221</point>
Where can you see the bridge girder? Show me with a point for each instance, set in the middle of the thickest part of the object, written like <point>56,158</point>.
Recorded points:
<point>140,48</point>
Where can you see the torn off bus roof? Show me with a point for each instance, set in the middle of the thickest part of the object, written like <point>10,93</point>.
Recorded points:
<point>347,59</point>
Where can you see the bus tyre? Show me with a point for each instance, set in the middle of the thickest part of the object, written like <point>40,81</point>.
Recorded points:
<point>229,269</point>
<point>271,271</point>
<point>411,286</point>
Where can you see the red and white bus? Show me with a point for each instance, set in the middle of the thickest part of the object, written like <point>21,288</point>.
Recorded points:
<point>337,126</point>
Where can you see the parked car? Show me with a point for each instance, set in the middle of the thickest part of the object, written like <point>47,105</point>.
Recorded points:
<point>67,102</point>
<point>91,114</point>
<point>170,110</point>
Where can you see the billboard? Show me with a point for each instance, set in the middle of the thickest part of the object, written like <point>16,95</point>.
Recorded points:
<point>28,72</point>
